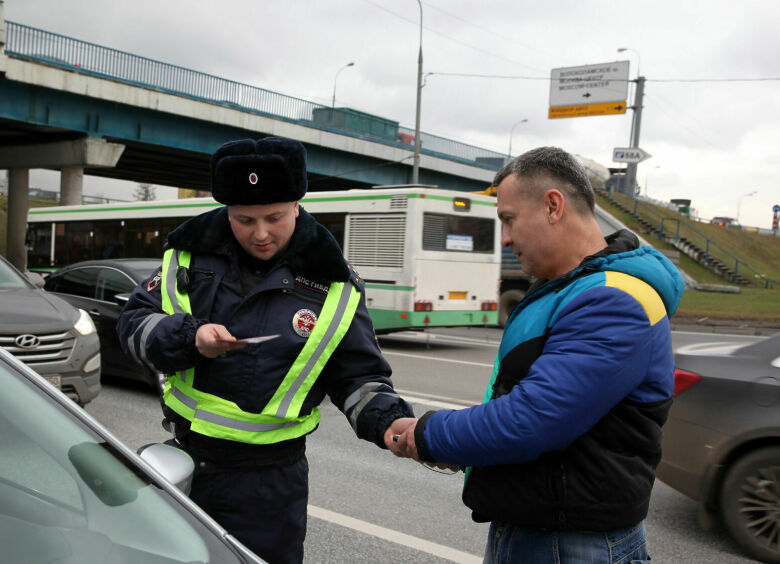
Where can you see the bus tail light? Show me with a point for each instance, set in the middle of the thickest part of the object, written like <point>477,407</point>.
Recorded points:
<point>489,305</point>
<point>423,305</point>
<point>684,380</point>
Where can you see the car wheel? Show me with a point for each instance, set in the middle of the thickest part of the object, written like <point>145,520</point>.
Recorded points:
<point>507,303</point>
<point>750,503</point>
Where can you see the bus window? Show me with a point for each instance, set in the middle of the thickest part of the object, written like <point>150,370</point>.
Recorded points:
<point>445,232</point>
<point>333,222</point>
<point>73,242</point>
<point>143,238</point>
<point>38,241</point>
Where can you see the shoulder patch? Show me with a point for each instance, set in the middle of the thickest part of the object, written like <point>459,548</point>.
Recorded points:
<point>154,281</point>
<point>641,291</point>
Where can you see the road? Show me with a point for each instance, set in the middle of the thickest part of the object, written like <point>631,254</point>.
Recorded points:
<point>366,505</point>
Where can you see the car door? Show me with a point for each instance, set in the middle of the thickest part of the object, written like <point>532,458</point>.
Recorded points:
<point>105,312</point>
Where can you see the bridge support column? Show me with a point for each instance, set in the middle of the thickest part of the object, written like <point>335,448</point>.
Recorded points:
<point>18,203</point>
<point>71,185</point>
<point>71,157</point>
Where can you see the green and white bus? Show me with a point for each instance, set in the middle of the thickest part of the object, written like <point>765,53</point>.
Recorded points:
<point>429,257</point>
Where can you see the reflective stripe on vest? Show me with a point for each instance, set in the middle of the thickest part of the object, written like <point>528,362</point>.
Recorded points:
<point>279,420</point>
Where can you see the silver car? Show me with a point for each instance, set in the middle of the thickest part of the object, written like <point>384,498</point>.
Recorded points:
<point>48,334</point>
<point>721,444</point>
<point>71,492</point>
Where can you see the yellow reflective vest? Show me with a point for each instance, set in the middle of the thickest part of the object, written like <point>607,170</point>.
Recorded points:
<point>280,419</point>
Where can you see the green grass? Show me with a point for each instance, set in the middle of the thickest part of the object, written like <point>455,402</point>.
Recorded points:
<point>761,252</point>
<point>748,304</point>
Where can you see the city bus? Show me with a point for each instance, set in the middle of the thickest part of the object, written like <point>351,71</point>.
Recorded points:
<point>429,257</point>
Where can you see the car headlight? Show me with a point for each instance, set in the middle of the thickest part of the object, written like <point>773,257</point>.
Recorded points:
<point>84,325</point>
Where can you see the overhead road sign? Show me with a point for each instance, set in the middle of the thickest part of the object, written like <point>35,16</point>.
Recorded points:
<point>604,87</point>
<point>583,110</point>
<point>629,155</point>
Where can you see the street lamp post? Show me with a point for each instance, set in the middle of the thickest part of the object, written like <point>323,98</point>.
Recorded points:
<point>635,52</point>
<point>333,102</point>
<point>511,132</point>
<point>416,161</point>
<point>636,122</point>
<point>739,202</point>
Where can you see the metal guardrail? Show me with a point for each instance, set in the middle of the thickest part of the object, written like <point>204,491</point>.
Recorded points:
<point>59,50</point>
<point>674,228</point>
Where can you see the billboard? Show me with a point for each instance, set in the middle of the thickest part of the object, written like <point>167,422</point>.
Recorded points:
<point>590,90</point>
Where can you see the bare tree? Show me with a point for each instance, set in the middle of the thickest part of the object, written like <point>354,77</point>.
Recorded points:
<point>145,192</point>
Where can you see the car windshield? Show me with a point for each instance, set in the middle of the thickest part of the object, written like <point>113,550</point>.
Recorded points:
<point>67,495</point>
<point>10,279</point>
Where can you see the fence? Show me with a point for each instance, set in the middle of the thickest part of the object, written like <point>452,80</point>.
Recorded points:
<point>51,48</point>
<point>682,231</point>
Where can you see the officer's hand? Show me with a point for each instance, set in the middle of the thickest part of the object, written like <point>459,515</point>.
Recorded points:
<point>394,430</point>
<point>213,340</point>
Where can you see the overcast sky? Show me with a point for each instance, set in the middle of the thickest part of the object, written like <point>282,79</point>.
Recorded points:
<point>713,139</point>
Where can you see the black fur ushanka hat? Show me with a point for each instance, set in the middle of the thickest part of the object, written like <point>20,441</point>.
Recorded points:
<point>266,171</point>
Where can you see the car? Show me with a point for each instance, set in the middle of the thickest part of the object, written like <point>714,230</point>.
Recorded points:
<point>71,492</point>
<point>102,287</point>
<point>47,333</point>
<point>721,444</point>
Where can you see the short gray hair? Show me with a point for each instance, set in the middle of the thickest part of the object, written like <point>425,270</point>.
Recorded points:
<point>558,165</point>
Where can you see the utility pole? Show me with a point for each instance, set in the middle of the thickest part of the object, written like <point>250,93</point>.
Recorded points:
<point>416,161</point>
<point>639,93</point>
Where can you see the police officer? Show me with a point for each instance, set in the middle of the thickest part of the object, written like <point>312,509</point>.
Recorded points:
<point>260,266</point>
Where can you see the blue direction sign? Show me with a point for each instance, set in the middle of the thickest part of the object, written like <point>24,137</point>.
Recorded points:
<point>629,155</point>
<point>776,208</point>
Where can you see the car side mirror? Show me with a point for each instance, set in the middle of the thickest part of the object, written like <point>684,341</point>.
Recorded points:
<point>35,278</point>
<point>121,299</point>
<point>173,463</point>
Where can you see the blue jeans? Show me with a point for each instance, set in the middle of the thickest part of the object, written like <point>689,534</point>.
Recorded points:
<point>508,544</point>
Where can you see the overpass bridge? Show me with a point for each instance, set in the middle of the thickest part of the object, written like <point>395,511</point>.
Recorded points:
<point>83,108</point>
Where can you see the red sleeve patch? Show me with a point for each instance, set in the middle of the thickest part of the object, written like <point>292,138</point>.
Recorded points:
<point>154,281</point>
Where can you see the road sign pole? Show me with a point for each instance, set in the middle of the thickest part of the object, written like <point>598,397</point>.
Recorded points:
<point>639,93</point>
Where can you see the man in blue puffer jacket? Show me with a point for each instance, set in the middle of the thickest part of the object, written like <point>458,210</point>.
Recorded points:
<point>261,266</point>
<point>561,454</point>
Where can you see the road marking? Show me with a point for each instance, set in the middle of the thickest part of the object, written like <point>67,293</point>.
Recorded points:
<point>438,358</point>
<point>417,336</point>
<point>434,401</point>
<point>415,543</point>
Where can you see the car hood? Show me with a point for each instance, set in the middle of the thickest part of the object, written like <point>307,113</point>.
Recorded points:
<point>34,311</point>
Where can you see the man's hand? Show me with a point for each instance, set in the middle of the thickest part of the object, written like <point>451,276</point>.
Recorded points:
<point>213,340</point>
<point>394,430</point>
<point>406,445</point>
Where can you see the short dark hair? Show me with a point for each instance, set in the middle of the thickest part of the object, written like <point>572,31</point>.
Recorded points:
<point>557,164</point>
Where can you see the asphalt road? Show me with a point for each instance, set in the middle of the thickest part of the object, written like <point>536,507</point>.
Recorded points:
<point>366,505</point>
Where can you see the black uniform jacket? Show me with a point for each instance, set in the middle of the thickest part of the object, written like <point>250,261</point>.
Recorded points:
<point>269,302</point>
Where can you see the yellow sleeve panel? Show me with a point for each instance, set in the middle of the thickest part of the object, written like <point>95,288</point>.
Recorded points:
<point>641,291</point>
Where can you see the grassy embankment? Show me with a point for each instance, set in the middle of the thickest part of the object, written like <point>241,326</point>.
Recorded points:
<point>761,252</point>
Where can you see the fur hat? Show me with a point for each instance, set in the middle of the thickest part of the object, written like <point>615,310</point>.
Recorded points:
<point>266,171</point>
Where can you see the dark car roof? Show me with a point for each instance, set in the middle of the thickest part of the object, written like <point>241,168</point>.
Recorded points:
<point>138,268</point>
